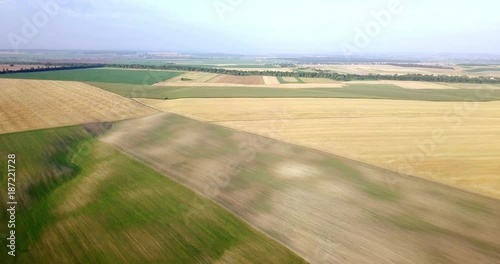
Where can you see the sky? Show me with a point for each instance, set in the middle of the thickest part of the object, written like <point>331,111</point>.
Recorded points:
<point>253,26</point>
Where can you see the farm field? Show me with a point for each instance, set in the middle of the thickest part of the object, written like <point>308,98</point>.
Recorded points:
<point>255,80</point>
<point>196,77</point>
<point>489,70</point>
<point>364,69</point>
<point>34,104</point>
<point>326,208</point>
<point>317,80</point>
<point>455,143</point>
<point>83,201</point>
<point>416,85</point>
<point>249,66</point>
<point>270,80</point>
<point>202,78</point>
<point>289,80</point>
<point>98,75</point>
<point>354,90</point>
<point>256,68</point>
<point>242,132</point>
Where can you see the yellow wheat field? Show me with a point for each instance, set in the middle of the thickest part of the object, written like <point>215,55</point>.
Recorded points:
<point>270,80</point>
<point>455,143</point>
<point>35,104</point>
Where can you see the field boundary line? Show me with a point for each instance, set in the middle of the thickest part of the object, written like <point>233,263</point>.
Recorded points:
<point>373,166</point>
<point>201,194</point>
<point>150,106</point>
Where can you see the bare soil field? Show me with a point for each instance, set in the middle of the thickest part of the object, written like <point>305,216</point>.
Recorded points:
<point>326,208</point>
<point>455,143</point>
<point>34,104</point>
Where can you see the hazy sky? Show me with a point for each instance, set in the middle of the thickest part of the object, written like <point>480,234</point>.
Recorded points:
<point>253,26</point>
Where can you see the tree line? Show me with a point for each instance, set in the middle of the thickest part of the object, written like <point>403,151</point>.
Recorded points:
<point>52,67</point>
<point>316,73</point>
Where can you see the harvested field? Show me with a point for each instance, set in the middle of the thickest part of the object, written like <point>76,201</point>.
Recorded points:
<point>326,208</point>
<point>83,201</point>
<point>270,80</point>
<point>241,79</point>
<point>454,143</point>
<point>32,104</point>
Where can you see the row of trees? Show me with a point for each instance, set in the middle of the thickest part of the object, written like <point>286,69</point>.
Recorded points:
<point>317,73</point>
<point>53,67</point>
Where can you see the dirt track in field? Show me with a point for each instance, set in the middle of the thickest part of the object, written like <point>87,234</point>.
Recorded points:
<point>33,104</point>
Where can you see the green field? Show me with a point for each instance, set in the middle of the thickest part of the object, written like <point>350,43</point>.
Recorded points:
<point>83,201</point>
<point>144,77</point>
<point>283,81</point>
<point>484,69</point>
<point>310,200</point>
<point>373,91</point>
